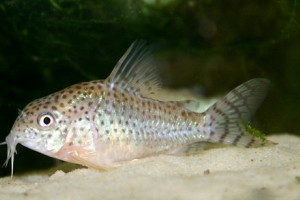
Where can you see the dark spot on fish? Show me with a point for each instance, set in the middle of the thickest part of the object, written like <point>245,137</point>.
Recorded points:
<point>100,93</point>
<point>56,98</point>
<point>212,133</point>
<point>62,105</point>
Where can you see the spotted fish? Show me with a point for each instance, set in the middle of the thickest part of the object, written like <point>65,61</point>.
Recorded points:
<point>103,123</point>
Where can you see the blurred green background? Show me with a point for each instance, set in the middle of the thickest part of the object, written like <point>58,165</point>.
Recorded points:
<point>208,45</point>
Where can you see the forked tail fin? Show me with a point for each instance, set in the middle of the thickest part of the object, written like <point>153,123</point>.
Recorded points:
<point>228,118</point>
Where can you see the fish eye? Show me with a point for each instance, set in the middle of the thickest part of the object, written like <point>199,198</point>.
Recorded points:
<point>45,119</point>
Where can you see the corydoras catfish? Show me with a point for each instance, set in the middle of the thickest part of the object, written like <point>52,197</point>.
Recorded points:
<point>103,123</point>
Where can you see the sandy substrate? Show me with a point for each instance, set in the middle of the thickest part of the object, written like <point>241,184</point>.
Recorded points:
<point>219,173</point>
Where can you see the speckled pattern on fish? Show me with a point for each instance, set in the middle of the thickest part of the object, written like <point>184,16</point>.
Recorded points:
<point>104,123</point>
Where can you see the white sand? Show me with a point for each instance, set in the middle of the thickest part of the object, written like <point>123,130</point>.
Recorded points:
<point>221,173</point>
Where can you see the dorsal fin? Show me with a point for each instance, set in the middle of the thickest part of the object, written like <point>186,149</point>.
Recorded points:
<point>136,71</point>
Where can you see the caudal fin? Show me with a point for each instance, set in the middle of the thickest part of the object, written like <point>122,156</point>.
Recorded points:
<point>228,118</point>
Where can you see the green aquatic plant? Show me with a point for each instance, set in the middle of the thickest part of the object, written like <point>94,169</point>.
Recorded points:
<point>253,131</point>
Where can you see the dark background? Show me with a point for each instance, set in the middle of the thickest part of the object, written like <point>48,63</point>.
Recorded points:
<point>46,45</point>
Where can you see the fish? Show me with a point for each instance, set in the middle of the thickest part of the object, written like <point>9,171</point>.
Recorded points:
<point>103,124</point>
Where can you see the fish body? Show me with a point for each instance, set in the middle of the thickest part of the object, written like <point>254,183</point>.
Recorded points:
<point>101,124</point>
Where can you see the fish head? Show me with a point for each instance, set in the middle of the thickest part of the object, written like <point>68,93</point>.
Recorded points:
<point>44,124</point>
<point>41,130</point>
<point>40,126</point>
